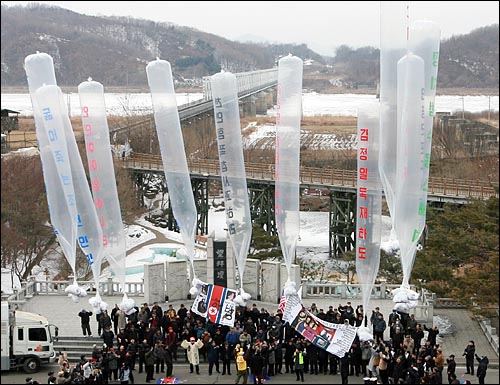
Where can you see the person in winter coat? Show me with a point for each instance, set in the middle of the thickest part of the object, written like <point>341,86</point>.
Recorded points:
<point>242,368</point>
<point>143,348</point>
<point>171,342</point>
<point>482,368</point>
<point>159,353</point>
<point>85,316</point>
<point>278,357</point>
<point>256,365</point>
<point>433,333</point>
<point>113,364</point>
<point>149,363</point>
<point>52,379</point>
<point>104,321</point>
<point>452,366</point>
<point>124,374</point>
<point>469,352</point>
<point>193,353</point>
<point>379,328</point>
<point>298,359</point>
<point>213,357</point>
<point>226,355</point>
<point>289,351</point>
<point>344,368</point>
<point>108,337</point>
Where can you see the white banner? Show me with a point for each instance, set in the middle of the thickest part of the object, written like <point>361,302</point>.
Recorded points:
<point>334,338</point>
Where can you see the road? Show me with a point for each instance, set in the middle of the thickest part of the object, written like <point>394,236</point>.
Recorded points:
<point>181,371</point>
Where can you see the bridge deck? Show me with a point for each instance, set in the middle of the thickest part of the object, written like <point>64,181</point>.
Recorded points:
<point>440,189</point>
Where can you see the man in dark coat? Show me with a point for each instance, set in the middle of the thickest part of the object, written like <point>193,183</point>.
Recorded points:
<point>482,367</point>
<point>85,316</point>
<point>452,366</point>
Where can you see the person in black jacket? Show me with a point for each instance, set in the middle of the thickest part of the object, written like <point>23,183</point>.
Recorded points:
<point>469,352</point>
<point>433,333</point>
<point>85,316</point>
<point>452,367</point>
<point>482,367</point>
<point>108,337</point>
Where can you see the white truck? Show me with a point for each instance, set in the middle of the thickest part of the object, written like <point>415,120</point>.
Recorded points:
<point>26,341</point>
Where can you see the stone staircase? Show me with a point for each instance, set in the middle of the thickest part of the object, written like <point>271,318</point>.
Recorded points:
<point>76,346</point>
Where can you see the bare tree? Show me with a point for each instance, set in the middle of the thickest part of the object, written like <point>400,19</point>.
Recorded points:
<point>27,236</point>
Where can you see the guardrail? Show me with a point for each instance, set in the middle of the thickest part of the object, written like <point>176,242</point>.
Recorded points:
<point>322,177</point>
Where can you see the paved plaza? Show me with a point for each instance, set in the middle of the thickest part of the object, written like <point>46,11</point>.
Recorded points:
<point>61,311</point>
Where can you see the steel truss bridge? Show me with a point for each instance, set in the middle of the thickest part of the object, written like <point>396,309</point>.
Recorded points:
<point>338,185</point>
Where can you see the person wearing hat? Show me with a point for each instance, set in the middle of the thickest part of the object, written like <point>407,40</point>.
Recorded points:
<point>193,353</point>
<point>241,364</point>
<point>482,368</point>
<point>469,352</point>
<point>52,379</point>
<point>85,316</point>
<point>452,366</point>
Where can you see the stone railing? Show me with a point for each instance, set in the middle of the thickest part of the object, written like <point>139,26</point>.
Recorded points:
<point>424,311</point>
<point>344,290</point>
<point>107,288</point>
<point>490,333</point>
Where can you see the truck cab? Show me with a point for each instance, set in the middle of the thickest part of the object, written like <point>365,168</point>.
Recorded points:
<point>27,340</point>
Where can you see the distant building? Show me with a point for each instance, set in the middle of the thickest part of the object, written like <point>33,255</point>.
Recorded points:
<point>10,120</point>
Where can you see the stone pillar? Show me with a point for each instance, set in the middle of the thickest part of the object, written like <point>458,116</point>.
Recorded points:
<point>177,283</point>
<point>261,104</point>
<point>270,272</point>
<point>247,107</point>
<point>270,99</point>
<point>210,260</point>
<point>251,278</point>
<point>154,282</point>
<point>200,266</point>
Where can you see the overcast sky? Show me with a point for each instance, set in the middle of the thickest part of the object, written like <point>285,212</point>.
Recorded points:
<point>321,25</point>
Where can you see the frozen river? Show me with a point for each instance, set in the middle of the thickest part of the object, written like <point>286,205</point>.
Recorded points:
<point>313,104</point>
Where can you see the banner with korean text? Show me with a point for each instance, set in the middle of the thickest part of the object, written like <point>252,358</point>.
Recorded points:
<point>334,338</point>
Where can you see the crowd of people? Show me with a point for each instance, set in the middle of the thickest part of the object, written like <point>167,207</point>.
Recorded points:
<point>260,345</point>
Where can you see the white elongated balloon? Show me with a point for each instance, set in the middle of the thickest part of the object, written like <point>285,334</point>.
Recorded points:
<point>232,166</point>
<point>173,153</point>
<point>56,168</point>
<point>411,139</point>
<point>40,71</point>
<point>63,215</point>
<point>393,46</point>
<point>102,177</point>
<point>89,231</point>
<point>369,202</point>
<point>287,188</point>
<point>417,124</point>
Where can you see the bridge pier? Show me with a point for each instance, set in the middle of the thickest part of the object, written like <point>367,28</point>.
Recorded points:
<point>247,107</point>
<point>342,226</point>
<point>261,200</point>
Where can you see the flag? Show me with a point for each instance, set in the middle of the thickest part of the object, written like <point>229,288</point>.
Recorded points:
<point>281,306</point>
